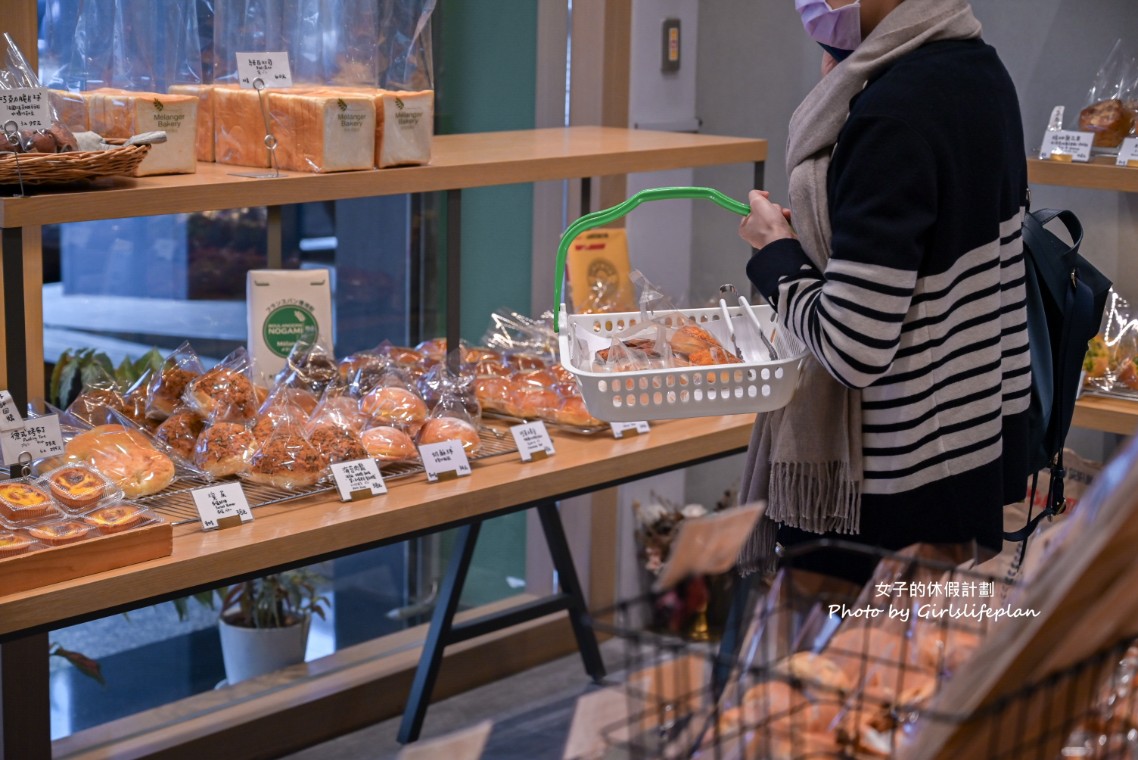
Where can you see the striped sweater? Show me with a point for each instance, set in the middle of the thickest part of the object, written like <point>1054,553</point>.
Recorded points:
<point>922,302</point>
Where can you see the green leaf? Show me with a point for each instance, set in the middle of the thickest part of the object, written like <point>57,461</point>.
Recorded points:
<point>152,359</point>
<point>124,373</point>
<point>67,377</point>
<point>54,391</point>
<point>82,662</point>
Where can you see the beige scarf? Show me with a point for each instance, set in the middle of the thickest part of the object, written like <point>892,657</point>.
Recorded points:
<point>805,459</point>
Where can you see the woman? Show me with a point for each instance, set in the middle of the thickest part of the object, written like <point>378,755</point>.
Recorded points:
<point>903,273</point>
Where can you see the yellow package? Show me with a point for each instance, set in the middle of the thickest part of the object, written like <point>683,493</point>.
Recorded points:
<point>598,271</point>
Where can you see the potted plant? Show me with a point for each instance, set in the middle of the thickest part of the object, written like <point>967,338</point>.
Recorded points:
<point>264,622</point>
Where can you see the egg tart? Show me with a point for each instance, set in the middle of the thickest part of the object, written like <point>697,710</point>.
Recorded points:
<point>77,487</point>
<point>23,501</point>
<point>60,533</point>
<point>12,544</point>
<point>115,518</point>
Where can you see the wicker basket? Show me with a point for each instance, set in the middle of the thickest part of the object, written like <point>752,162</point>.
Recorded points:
<point>73,166</point>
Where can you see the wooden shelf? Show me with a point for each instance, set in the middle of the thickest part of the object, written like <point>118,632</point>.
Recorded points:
<point>1110,415</point>
<point>459,161</point>
<point>294,532</point>
<point>1099,174</point>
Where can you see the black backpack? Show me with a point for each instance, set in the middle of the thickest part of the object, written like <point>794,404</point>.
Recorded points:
<point>1066,296</point>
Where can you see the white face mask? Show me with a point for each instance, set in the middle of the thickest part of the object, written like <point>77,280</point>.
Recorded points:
<point>838,29</point>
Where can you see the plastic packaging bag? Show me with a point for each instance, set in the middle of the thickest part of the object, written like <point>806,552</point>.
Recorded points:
<point>15,73</point>
<point>1109,110</point>
<point>226,388</point>
<point>286,460</point>
<point>226,444</point>
<point>179,433</point>
<point>166,386</point>
<point>451,421</point>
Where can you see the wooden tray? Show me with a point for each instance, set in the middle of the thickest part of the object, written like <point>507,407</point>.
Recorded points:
<point>63,563</point>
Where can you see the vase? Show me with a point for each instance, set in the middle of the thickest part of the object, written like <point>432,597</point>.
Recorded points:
<point>250,652</point>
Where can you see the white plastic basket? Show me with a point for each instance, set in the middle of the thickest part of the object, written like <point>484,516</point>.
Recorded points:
<point>757,385</point>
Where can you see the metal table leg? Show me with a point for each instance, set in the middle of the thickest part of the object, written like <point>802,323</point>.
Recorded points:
<point>15,336</point>
<point>25,705</point>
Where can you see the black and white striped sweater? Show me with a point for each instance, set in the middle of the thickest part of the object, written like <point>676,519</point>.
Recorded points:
<point>922,302</point>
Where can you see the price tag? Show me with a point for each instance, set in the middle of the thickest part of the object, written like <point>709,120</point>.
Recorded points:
<point>29,107</point>
<point>10,418</point>
<point>222,505</point>
<point>1065,145</point>
<point>270,68</point>
<point>533,441</point>
<point>40,437</point>
<point>444,460</point>
<point>620,428</point>
<point>358,479</point>
<point>1128,153</point>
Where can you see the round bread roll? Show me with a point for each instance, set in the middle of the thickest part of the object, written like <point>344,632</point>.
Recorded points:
<point>821,678</point>
<point>394,406</point>
<point>351,366</point>
<point>405,357</point>
<point>540,378</point>
<point>493,367</point>
<point>166,391</point>
<point>336,443</point>
<point>439,429</point>
<point>125,457</point>
<point>180,432</point>
<point>341,410</point>
<point>286,461</point>
<point>223,390</point>
<point>493,393</point>
<point>434,349</point>
<point>563,375</point>
<point>522,360</point>
<point>224,449</point>
<point>476,354</point>
<point>533,402</point>
<point>388,444</point>
<point>690,338</point>
<point>573,412</point>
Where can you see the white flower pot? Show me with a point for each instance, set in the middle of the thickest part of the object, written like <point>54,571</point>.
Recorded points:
<point>250,652</point>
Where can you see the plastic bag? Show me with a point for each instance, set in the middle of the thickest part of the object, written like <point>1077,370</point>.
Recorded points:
<point>15,73</point>
<point>179,433</point>
<point>287,460</point>
<point>394,402</point>
<point>511,331</point>
<point>225,389</point>
<point>226,444</point>
<point>451,421</point>
<point>165,389</point>
<point>311,364</point>
<point>388,444</point>
<point>1109,109</point>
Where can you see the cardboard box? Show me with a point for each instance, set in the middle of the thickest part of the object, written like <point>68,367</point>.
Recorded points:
<point>285,306</point>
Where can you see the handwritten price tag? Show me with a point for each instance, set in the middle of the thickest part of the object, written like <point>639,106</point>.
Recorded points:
<point>29,107</point>
<point>1065,145</point>
<point>360,476</point>
<point>444,460</point>
<point>10,418</point>
<point>222,505</point>
<point>271,68</point>
<point>1128,153</point>
<point>620,428</point>
<point>39,437</point>
<point>533,441</point>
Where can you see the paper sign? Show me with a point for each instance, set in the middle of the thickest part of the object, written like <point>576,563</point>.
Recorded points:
<point>620,428</point>
<point>1128,152</point>
<point>360,475</point>
<point>599,717</point>
<point>708,545</point>
<point>444,460</point>
<point>29,107</point>
<point>221,504</point>
<point>40,437</point>
<point>533,441</point>
<point>10,418</point>
<point>271,68</point>
<point>467,744</point>
<point>1065,145</point>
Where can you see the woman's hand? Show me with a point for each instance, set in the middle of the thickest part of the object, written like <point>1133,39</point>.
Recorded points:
<point>767,221</point>
<point>828,63</point>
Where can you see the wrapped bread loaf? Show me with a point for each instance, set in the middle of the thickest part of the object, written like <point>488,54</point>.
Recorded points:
<point>404,127</point>
<point>321,131</point>
<point>203,145</point>
<point>239,128</point>
<point>123,114</point>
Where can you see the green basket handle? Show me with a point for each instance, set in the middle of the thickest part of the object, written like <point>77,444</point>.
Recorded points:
<point>604,216</point>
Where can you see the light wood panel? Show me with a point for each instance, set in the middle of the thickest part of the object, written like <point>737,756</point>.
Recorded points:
<point>1110,415</point>
<point>292,533</point>
<point>21,20</point>
<point>459,161</point>
<point>1099,174</point>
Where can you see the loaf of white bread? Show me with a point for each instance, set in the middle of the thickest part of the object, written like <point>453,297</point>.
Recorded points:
<point>71,109</point>
<point>404,127</point>
<point>323,131</point>
<point>122,114</point>
<point>203,146</point>
<point>239,127</point>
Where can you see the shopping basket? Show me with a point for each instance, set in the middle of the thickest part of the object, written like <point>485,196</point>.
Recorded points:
<point>759,383</point>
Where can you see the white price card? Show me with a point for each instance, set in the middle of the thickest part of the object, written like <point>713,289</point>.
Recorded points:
<point>271,68</point>
<point>358,479</point>
<point>222,505</point>
<point>1066,145</point>
<point>38,437</point>
<point>444,460</point>
<point>1128,152</point>
<point>533,441</point>
<point>29,107</point>
<point>620,428</point>
<point>10,418</point>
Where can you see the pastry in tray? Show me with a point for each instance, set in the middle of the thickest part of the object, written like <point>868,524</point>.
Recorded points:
<point>116,518</point>
<point>61,532</point>
<point>12,544</point>
<point>21,502</point>
<point>77,487</point>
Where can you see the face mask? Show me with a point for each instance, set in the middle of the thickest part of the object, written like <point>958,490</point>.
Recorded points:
<point>835,30</point>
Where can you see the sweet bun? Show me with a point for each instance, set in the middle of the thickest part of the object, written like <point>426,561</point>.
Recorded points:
<point>116,518</point>
<point>225,390</point>
<point>1109,120</point>
<point>60,532</point>
<point>573,412</point>
<point>819,676</point>
<point>494,393</point>
<point>521,360</point>
<point>224,449</point>
<point>286,461</point>
<point>336,443</point>
<point>541,378</point>
<point>691,338</point>
<point>493,367</point>
<point>180,432</point>
<point>439,429</point>
<point>394,406</point>
<point>76,486</point>
<point>125,457</point>
<point>388,444</point>
<point>532,402</point>
<point>166,392</point>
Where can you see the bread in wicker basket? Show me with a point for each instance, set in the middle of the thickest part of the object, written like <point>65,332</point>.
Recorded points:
<point>72,166</point>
